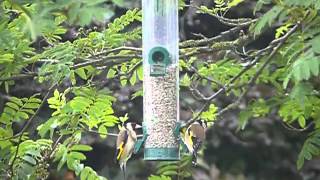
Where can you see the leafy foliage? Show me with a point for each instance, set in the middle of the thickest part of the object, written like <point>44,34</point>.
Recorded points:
<point>211,114</point>
<point>45,17</point>
<point>72,155</point>
<point>88,109</point>
<point>159,178</point>
<point>267,19</point>
<point>309,149</point>
<point>256,109</point>
<point>180,169</point>
<point>32,45</point>
<point>19,109</point>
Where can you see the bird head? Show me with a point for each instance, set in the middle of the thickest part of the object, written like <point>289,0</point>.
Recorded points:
<point>132,126</point>
<point>203,123</point>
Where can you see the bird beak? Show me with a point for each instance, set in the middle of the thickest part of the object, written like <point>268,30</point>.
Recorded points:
<point>138,126</point>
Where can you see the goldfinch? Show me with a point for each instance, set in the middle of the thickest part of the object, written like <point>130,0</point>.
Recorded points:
<point>193,138</point>
<point>126,140</point>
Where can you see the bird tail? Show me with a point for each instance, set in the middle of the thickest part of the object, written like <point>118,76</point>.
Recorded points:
<point>194,158</point>
<point>124,170</point>
<point>196,148</point>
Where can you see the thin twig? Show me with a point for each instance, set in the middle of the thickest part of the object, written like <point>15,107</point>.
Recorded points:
<point>292,128</point>
<point>20,76</point>
<point>108,60</point>
<point>251,82</point>
<point>51,154</point>
<point>203,42</point>
<point>26,126</point>
<point>257,74</point>
<point>206,78</point>
<point>106,134</point>
<point>104,60</point>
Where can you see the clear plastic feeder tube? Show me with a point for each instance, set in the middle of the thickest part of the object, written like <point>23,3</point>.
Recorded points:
<point>161,78</point>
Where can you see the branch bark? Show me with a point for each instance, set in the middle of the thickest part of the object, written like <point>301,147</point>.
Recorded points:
<point>276,45</point>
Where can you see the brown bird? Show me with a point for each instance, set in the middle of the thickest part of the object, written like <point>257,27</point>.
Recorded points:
<point>126,140</point>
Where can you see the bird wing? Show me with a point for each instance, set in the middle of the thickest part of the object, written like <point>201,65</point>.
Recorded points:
<point>121,141</point>
<point>196,135</point>
<point>198,131</point>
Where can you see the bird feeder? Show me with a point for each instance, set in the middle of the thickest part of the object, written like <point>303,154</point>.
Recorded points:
<point>161,79</point>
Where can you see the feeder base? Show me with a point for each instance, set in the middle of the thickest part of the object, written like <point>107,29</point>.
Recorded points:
<point>161,154</point>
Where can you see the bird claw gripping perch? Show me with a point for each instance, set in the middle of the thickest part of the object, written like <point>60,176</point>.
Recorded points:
<point>177,133</point>
<point>141,141</point>
<point>176,130</point>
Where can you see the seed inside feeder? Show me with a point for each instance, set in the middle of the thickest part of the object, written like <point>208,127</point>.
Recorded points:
<point>160,84</point>
<point>160,109</point>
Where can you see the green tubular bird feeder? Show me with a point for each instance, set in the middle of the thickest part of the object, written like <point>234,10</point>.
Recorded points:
<point>161,79</point>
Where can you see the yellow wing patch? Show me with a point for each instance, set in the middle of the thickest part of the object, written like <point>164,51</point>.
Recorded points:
<point>190,138</point>
<point>120,151</point>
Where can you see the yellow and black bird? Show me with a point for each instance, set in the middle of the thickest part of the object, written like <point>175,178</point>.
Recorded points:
<point>194,136</point>
<point>126,140</point>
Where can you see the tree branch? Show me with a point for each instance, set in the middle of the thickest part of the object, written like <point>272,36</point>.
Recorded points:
<point>203,42</point>
<point>252,81</point>
<point>25,127</point>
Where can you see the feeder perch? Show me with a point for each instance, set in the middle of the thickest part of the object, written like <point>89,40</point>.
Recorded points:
<point>161,80</point>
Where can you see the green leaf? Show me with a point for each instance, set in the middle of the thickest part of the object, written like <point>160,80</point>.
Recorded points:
<point>170,173</point>
<point>32,105</point>
<point>123,68</point>
<point>300,91</point>
<point>210,114</point>
<point>298,3</point>
<point>111,73</point>
<point>73,78</point>
<point>22,115</point>
<point>310,148</point>
<point>123,81</point>
<point>12,105</point>
<point>244,117</point>
<point>85,173</point>
<point>316,44</point>
<point>16,101</point>
<point>133,78</point>
<point>81,147</point>
<point>81,72</point>
<point>185,81</point>
<point>260,4</point>
<point>76,155</point>
<point>234,3</point>
<point>56,94</point>
<point>118,2</point>
<point>124,118</point>
<point>306,66</point>
<point>6,58</point>
<point>267,19</point>
<point>302,121</point>
<point>137,94</point>
<point>102,131</point>
<point>166,168</point>
<point>153,177</point>
<point>282,30</point>
<point>30,160</point>
<point>140,72</point>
